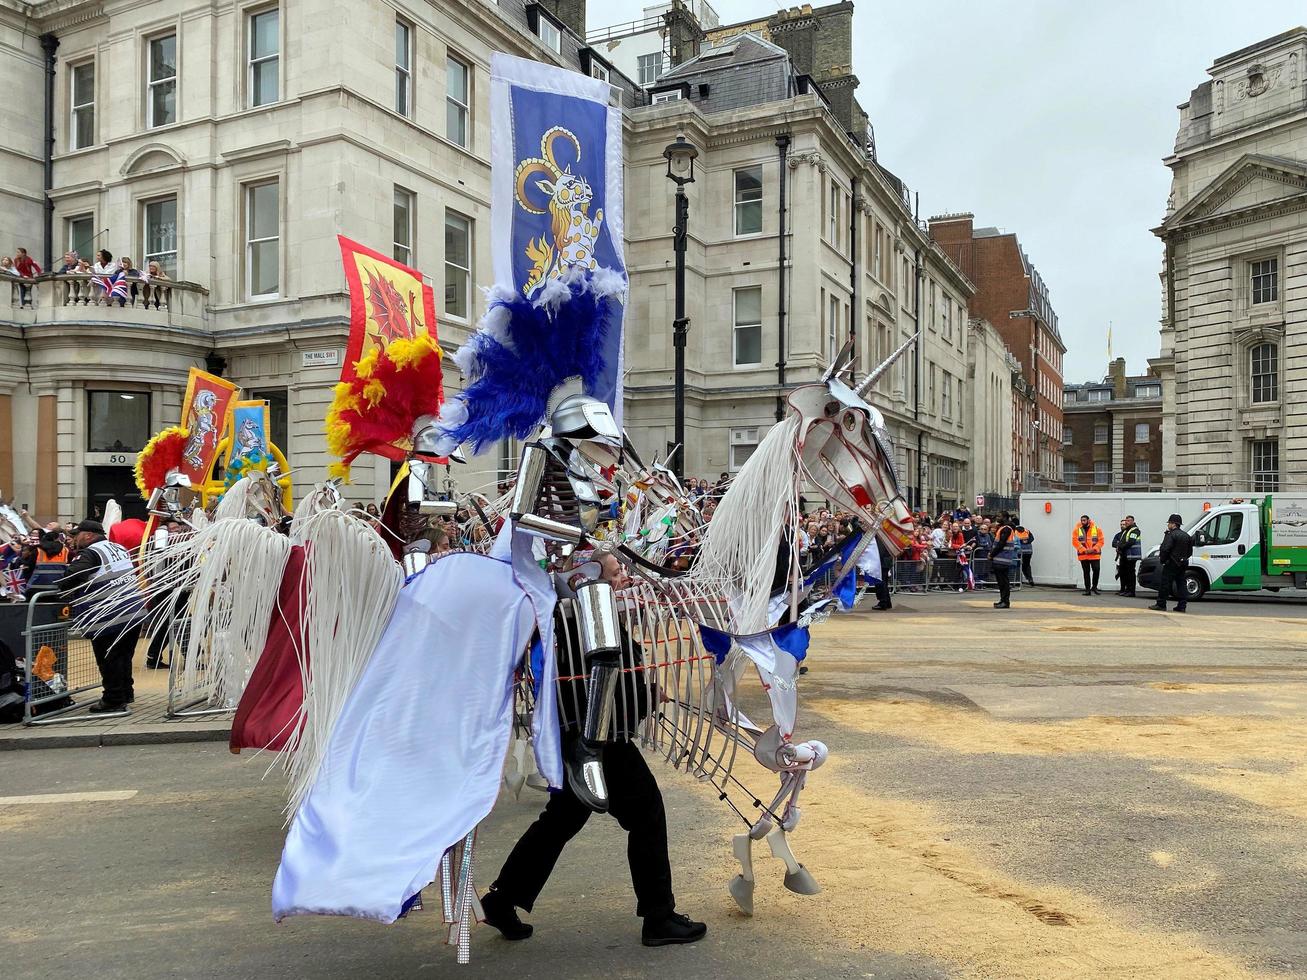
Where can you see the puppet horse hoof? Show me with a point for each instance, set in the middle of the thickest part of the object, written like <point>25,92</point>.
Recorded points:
<point>801,882</point>
<point>741,889</point>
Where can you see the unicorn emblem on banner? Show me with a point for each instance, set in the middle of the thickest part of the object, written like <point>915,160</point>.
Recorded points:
<point>574,233</point>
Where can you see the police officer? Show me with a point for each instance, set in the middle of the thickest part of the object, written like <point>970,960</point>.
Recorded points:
<point>1007,555</point>
<point>1177,548</point>
<point>1126,544</point>
<point>114,637</point>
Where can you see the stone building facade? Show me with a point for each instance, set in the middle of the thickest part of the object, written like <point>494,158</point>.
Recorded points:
<point>991,371</point>
<point>1011,294</point>
<point>1234,278</point>
<point>773,291</point>
<point>1113,432</point>
<point>233,143</point>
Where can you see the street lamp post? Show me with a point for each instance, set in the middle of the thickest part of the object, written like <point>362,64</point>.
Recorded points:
<point>680,156</point>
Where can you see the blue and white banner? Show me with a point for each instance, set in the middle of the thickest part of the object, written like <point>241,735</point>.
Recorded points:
<point>555,310</point>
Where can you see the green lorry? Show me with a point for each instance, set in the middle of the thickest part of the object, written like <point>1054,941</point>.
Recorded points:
<point>1243,546</point>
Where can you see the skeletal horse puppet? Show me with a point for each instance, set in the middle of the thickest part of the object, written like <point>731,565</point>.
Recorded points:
<point>688,638</point>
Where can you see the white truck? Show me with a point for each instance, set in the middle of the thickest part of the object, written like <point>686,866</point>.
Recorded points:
<point>1243,545</point>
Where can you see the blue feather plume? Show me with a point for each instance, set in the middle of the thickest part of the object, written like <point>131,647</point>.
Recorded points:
<point>523,350</point>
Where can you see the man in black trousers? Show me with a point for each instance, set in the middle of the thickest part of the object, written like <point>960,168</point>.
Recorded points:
<point>98,563</point>
<point>1173,557</point>
<point>633,799</point>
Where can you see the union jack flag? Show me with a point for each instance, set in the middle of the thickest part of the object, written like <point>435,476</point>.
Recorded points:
<point>114,286</point>
<point>12,581</point>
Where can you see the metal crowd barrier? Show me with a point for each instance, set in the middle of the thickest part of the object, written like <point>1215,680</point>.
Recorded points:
<point>948,575</point>
<point>59,662</point>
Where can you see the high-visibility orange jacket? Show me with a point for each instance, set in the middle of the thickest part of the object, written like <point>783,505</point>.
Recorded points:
<point>1088,542</point>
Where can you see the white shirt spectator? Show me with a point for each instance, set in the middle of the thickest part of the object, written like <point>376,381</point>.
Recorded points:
<point>938,539</point>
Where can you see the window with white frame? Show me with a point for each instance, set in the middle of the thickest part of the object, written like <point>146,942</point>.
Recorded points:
<point>161,81</point>
<point>1102,433</point>
<point>160,225</point>
<point>262,239</point>
<point>649,68</point>
<point>947,314</point>
<point>263,27</point>
<point>1102,472</point>
<point>1148,391</point>
<point>458,90</point>
<point>748,201</point>
<point>671,96</point>
<point>549,33</point>
<point>1143,432</point>
<point>1099,395</point>
<point>747,330</point>
<point>1143,472</point>
<point>600,71</point>
<point>1263,362</point>
<point>81,235</point>
<point>743,443</point>
<point>832,327</point>
<point>458,265</point>
<point>1265,465</point>
<point>946,395</point>
<point>833,215</point>
<point>81,103</point>
<point>931,389</point>
<point>1264,276</point>
<point>403,222</point>
<point>403,68</point>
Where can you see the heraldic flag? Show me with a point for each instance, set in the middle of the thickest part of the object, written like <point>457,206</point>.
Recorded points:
<point>555,309</point>
<point>391,375</point>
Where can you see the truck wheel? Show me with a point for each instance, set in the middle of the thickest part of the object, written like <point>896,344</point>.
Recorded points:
<point>1194,586</point>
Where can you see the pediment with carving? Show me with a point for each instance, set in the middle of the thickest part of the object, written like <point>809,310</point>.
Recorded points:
<point>1252,183</point>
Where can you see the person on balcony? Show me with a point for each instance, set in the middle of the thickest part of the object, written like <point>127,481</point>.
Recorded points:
<point>155,291</point>
<point>109,279</point>
<point>29,269</point>
<point>136,279</point>
<point>69,264</point>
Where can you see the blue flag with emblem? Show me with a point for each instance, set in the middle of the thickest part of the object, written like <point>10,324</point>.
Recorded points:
<point>555,309</point>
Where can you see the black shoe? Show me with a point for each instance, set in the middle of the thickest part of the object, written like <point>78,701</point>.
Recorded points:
<point>102,706</point>
<point>803,669</point>
<point>673,930</point>
<point>1181,609</point>
<point>1096,592</point>
<point>156,665</point>
<point>501,914</point>
<point>1129,595</point>
<point>883,605</point>
<point>1002,605</point>
<point>1157,607</point>
<point>1030,582</point>
<point>1086,592</point>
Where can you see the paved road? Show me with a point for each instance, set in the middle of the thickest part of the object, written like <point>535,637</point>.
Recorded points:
<point>1073,788</point>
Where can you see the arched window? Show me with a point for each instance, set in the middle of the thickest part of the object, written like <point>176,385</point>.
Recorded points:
<point>1264,366</point>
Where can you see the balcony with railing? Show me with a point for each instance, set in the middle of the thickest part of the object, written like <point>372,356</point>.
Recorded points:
<point>81,299</point>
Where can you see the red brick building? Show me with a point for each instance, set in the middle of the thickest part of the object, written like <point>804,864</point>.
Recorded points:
<point>1011,295</point>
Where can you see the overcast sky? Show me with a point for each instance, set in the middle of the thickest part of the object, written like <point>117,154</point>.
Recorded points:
<point>1048,118</point>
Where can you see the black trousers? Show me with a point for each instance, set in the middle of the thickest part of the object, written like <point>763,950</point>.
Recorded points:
<point>114,649</point>
<point>636,803</point>
<point>1125,571</point>
<point>882,593</point>
<point>1025,567</point>
<point>1001,573</point>
<point>1172,585</point>
<point>1090,569</point>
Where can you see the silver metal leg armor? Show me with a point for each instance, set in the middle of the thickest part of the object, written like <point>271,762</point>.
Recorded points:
<point>596,612</point>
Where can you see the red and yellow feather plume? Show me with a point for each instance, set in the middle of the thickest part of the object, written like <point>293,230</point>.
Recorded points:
<point>161,454</point>
<point>374,411</point>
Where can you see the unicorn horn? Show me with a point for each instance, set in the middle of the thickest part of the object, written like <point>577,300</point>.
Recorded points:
<point>884,366</point>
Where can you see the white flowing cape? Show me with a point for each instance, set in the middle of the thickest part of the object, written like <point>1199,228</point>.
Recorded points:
<point>415,759</point>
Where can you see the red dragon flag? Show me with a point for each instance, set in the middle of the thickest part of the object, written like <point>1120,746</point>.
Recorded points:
<point>391,375</point>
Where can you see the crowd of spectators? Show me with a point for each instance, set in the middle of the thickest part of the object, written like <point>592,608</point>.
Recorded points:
<point>103,280</point>
<point>36,561</point>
